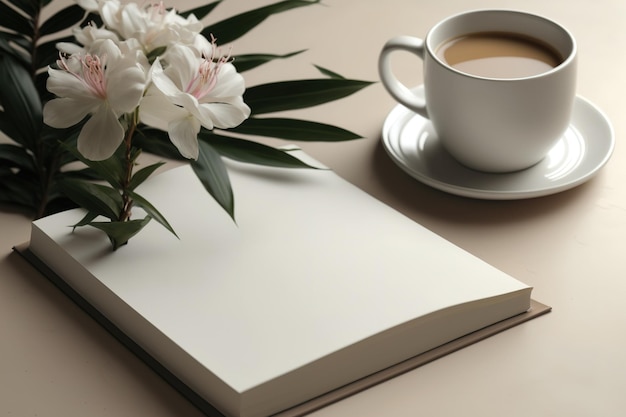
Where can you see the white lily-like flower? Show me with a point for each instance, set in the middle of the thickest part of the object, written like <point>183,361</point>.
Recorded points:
<point>104,84</point>
<point>153,26</point>
<point>191,92</point>
<point>86,37</point>
<point>89,5</point>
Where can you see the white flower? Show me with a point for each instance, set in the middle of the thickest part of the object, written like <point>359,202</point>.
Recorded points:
<point>89,34</point>
<point>89,5</point>
<point>153,26</point>
<point>86,36</point>
<point>191,92</point>
<point>104,84</point>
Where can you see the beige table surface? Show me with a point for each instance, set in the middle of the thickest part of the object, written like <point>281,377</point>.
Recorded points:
<point>55,361</point>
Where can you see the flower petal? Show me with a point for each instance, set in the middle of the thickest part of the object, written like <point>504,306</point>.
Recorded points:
<point>162,81</point>
<point>184,135</point>
<point>101,135</point>
<point>125,86</point>
<point>183,65</point>
<point>65,84</point>
<point>157,110</point>
<point>66,112</point>
<point>224,115</point>
<point>229,82</point>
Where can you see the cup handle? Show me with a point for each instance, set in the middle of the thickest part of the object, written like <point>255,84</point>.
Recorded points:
<point>399,91</point>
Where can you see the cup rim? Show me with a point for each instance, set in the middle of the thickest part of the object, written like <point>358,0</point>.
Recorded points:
<point>565,62</point>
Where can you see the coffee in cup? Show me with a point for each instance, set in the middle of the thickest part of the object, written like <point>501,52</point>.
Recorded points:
<point>498,55</point>
<point>499,86</point>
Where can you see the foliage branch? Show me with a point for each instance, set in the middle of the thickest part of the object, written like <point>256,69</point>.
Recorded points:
<point>38,164</point>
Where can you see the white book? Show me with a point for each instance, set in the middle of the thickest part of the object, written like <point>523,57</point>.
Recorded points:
<point>315,286</point>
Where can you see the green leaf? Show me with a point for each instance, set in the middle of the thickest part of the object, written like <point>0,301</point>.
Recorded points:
<point>143,174</point>
<point>29,7</point>
<point>157,142</point>
<point>111,170</point>
<point>234,27</point>
<point>20,101</point>
<point>328,72</point>
<point>294,129</point>
<point>47,53</point>
<point>56,204</point>
<point>251,152</point>
<point>8,127</point>
<point>62,20</point>
<point>7,45</point>
<point>80,174</point>
<point>104,201</point>
<point>13,20</point>
<point>247,62</point>
<point>120,233</point>
<point>155,53</point>
<point>19,191</point>
<point>16,156</point>
<point>89,217</point>
<point>151,211</point>
<point>290,95</point>
<point>211,171</point>
<point>202,11</point>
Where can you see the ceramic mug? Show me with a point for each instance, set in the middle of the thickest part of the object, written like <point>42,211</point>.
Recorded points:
<point>490,123</point>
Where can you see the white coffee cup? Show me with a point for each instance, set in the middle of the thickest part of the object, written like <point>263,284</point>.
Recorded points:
<point>492,124</point>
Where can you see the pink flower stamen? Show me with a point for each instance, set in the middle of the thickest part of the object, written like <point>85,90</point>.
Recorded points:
<point>92,73</point>
<point>156,11</point>
<point>208,70</point>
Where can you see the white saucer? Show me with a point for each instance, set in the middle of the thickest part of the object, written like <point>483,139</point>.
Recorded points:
<point>585,147</point>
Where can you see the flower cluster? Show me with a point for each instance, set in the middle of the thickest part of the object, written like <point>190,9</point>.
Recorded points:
<point>143,65</point>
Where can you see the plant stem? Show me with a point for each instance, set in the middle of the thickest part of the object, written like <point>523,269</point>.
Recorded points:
<point>46,169</point>
<point>127,201</point>
<point>46,174</point>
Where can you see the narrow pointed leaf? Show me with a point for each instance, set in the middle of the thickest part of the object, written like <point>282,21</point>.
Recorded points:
<point>157,142</point>
<point>294,129</point>
<point>202,11</point>
<point>56,204</point>
<point>8,127</point>
<point>298,94</point>
<point>247,62</point>
<point>120,233</point>
<point>143,174</point>
<point>151,211</point>
<point>329,73</point>
<point>251,152</point>
<point>95,198</point>
<point>234,27</point>
<point>110,170</point>
<point>20,101</point>
<point>47,53</point>
<point>81,174</point>
<point>13,20</point>
<point>212,173</point>
<point>16,190</point>
<point>6,47</point>
<point>19,40</point>
<point>89,217</point>
<point>16,156</point>
<point>29,7</point>
<point>62,20</point>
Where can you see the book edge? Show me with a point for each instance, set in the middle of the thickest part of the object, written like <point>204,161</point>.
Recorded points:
<point>536,309</point>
